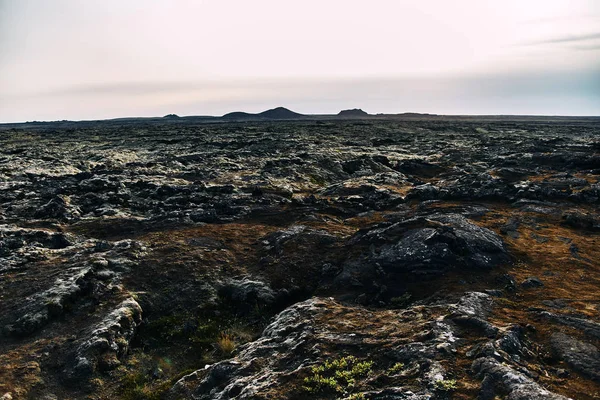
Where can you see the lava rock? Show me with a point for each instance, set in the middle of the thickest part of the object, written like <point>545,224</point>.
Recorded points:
<point>581,356</point>
<point>532,282</point>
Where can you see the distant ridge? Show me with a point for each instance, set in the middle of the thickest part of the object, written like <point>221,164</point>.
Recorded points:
<point>414,114</point>
<point>274,113</point>
<point>283,114</point>
<point>353,113</point>
<point>239,115</point>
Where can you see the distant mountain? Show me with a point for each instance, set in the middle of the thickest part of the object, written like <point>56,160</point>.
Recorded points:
<point>354,113</point>
<point>408,115</point>
<point>414,114</point>
<point>280,113</point>
<point>239,115</point>
<point>275,113</point>
<point>171,116</point>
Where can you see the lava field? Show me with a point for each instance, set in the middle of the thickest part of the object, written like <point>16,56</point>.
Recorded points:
<point>426,258</point>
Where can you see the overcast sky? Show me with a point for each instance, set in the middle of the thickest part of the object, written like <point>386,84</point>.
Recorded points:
<point>74,59</point>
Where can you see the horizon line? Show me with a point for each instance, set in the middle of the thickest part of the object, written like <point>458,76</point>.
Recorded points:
<point>175,116</point>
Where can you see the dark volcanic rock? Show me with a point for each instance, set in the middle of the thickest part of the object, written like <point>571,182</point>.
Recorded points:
<point>532,282</point>
<point>426,246</point>
<point>581,221</point>
<point>583,357</point>
<point>106,343</point>
<point>588,327</point>
<point>248,295</point>
<point>92,274</point>
<point>59,208</point>
<point>516,384</point>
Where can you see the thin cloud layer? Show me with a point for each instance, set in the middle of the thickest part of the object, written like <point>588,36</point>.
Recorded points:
<point>571,38</point>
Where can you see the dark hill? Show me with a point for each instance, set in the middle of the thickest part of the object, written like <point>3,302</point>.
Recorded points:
<point>239,115</point>
<point>355,112</point>
<point>280,113</point>
<point>275,113</point>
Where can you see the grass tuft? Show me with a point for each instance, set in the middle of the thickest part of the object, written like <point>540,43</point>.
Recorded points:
<point>226,344</point>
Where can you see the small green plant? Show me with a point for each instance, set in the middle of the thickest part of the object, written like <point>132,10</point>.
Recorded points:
<point>318,383</point>
<point>445,385</point>
<point>337,376</point>
<point>396,368</point>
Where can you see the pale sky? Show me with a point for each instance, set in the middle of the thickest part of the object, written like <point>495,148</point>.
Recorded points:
<point>85,59</point>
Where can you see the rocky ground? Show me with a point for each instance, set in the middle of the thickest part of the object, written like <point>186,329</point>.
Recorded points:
<point>373,259</point>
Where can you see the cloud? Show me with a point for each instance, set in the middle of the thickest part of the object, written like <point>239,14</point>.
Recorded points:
<point>125,88</point>
<point>568,39</point>
<point>595,46</point>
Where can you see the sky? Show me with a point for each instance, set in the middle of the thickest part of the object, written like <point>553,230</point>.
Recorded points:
<point>74,59</point>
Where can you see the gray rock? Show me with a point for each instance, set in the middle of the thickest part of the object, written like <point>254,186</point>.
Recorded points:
<point>84,275</point>
<point>581,356</point>
<point>516,384</point>
<point>247,292</point>
<point>588,327</point>
<point>107,342</point>
<point>532,282</point>
<point>59,208</point>
<point>427,245</point>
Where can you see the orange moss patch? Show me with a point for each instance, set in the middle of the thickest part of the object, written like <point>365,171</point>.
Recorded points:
<point>229,248</point>
<point>544,249</point>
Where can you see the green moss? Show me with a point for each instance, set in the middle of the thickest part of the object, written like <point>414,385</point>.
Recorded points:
<point>318,383</point>
<point>396,368</point>
<point>337,376</point>
<point>446,385</point>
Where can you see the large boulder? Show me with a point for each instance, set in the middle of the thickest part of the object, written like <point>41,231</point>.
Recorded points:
<point>583,357</point>
<point>425,245</point>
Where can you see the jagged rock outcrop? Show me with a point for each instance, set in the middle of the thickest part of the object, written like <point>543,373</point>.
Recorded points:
<point>310,333</point>
<point>496,374</point>
<point>106,343</point>
<point>94,268</point>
